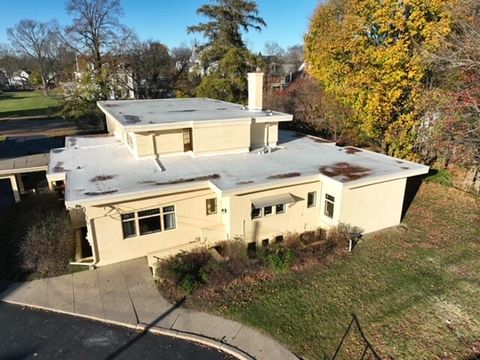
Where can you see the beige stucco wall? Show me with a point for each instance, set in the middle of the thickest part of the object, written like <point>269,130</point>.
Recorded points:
<point>297,218</point>
<point>263,134</point>
<point>190,214</point>
<point>218,138</point>
<point>373,207</point>
<point>144,144</point>
<point>169,141</point>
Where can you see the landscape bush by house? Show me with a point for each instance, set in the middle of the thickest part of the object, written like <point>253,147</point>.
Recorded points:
<point>229,261</point>
<point>38,245</point>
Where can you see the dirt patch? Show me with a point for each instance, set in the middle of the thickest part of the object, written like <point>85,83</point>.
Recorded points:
<point>102,178</point>
<point>58,151</point>
<point>346,170</point>
<point>245,182</point>
<point>72,141</point>
<point>96,193</point>
<point>284,176</point>
<point>350,150</point>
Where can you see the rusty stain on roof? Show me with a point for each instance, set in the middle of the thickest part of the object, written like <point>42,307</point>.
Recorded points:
<point>96,193</point>
<point>350,150</point>
<point>345,169</point>
<point>285,176</point>
<point>182,180</point>
<point>102,178</point>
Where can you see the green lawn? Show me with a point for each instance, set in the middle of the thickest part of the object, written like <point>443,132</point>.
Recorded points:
<point>415,289</point>
<point>28,103</point>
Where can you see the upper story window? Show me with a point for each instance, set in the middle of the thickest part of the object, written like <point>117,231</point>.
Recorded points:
<point>148,221</point>
<point>312,199</point>
<point>211,206</point>
<point>329,205</point>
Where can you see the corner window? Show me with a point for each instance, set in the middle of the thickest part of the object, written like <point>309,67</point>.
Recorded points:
<point>128,225</point>
<point>312,199</point>
<point>267,210</point>
<point>149,221</point>
<point>329,205</point>
<point>168,217</point>
<point>211,206</point>
<point>279,208</point>
<point>256,212</point>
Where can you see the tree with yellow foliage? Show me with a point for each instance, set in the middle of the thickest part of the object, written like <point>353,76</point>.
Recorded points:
<point>370,55</point>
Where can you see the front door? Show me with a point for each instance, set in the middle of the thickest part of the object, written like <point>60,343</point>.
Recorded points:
<point>187,140</point>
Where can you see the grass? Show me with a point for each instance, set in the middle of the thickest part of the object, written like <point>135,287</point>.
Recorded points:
<point>415,289</point>
<point>28,103</point>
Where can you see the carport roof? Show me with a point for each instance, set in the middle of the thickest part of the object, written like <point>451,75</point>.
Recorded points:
<point>24,164</point>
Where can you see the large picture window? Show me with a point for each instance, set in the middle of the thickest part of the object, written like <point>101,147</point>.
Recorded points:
<point>329,205</point>
<point>148,221</point>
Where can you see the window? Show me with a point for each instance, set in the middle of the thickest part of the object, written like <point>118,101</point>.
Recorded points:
<point>279,208</point>
<point>211,206</point>
<point>312,199</point>
<point>256,212</point>
<point>329,205</point>
<point>168,217</point>
<point>149,221</point>
<point>128,225</point>
<point>267,210</point>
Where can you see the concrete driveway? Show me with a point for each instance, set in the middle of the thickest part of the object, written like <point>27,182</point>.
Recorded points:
<point>126,294</point>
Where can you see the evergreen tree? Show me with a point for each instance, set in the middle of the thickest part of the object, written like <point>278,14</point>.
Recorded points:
<point>225,53</point>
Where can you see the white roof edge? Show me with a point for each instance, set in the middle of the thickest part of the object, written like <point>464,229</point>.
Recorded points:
<point>134,195</point>
<point>384,178</point>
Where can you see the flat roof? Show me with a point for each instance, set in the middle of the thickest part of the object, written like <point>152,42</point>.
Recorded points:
<point>106,169</point>
<point>135,114</point>
<point>22,164</point>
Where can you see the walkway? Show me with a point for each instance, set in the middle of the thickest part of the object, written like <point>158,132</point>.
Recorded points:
<point>125,294</point>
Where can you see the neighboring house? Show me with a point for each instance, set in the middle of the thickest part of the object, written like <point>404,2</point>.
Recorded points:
<point>120,81</point>
<point>195,64</point>
<point>20,80</point>
<point>176,174</point>
<point>282,75</point>
<point>3,79</point>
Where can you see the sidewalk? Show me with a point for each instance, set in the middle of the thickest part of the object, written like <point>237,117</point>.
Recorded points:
<point>126,294</point>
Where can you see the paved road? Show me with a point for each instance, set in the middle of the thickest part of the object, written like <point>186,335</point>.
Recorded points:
<point>26,334</point>
<point>43,126</point>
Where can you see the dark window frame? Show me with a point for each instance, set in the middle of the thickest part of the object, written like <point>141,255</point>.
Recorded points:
<point>209,210</point>
<point>312,203</point>
<point>329,202</point>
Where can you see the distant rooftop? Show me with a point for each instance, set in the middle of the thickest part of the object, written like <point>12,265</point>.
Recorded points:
<point>102,168</point>
<point>136,114</point>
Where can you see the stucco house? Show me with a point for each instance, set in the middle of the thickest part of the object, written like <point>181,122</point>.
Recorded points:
<point>176,174</point>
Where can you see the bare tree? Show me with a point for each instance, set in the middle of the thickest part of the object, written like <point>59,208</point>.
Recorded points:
<point>36,40</point>
<point>97,31</point>
<point>152,69</point>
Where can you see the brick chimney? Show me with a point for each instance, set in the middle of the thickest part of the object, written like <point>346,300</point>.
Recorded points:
<point>255,91</point>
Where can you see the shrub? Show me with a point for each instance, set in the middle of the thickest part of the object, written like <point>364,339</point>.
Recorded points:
<point>279,258</point>
<point>188,270</point>
<point>340,235</point>
<point>293,240</point>
<point>440,176</point>
<point>48,245</point>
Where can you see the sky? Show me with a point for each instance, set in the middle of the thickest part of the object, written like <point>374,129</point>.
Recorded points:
<point>166,20</point>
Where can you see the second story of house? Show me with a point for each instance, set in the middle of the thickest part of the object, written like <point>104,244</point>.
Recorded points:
<point>198,126</point>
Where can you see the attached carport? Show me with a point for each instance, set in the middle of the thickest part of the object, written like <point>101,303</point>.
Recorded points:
<point>13,169</point>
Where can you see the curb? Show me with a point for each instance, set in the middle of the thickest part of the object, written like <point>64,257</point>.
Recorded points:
<point>176,334</point>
